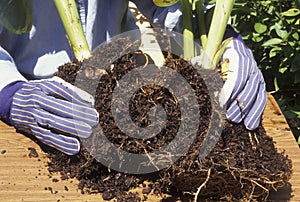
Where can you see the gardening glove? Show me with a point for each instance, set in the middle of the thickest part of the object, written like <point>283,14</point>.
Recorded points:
<point>54,111</point>
<point>244,91</point>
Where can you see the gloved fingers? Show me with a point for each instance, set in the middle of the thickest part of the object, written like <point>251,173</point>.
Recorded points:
<point>65,144</point>
<point>63,108</point>
<point>253,118</point>
<point>240,66</point>
<point>70,127</point>
<point>52,122</point>
<point>239,107</point>
<point>59,88</point>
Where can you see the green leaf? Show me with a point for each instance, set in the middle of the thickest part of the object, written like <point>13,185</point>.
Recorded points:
<point>291,12</point>
<point>298,140</point>
<point>258,39</point>
<point>276,86</point>
<point>272,42</point>
<point>281,33</point>
<point>244,10</point>
<point>260,28</point>
<point>290,21</point>
<point>296,36</point>
<point>292,43</point>
<point>246,36</point>
<point>164,3</point>
<point>282,70</point>
<point>16,15</point>
<point>274,51</point>
<point>296,112</point>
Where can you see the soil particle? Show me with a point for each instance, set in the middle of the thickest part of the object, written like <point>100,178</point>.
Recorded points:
<point>108,195</point>
<point>32,153</point>
<point>66,188</point>
<point>55,180</point>
<point>50,189</point>
<point>146,190</point>
<point>3,151</point>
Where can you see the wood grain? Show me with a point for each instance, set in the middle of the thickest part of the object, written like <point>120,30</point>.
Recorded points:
<point>27,179</point>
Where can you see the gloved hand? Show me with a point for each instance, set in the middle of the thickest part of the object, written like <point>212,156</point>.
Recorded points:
<point>244,91</point>
<point>55,112</point>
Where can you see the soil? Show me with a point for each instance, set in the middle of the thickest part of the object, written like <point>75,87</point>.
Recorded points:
<point>32,152</point>
<point>244,165</point>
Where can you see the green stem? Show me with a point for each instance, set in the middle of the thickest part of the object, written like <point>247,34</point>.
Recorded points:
<point>69,15</point>
<point>199,7</point>
<point>216,32</point>
<point>188,35</point>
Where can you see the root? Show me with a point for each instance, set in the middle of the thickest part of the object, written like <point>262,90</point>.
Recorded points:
<point>202,185</point>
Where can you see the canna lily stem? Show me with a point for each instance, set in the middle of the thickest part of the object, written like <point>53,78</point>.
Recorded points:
<point>216,32</point>
<point>69,15</point>
<point>199,7</point>
<point>188,35</point>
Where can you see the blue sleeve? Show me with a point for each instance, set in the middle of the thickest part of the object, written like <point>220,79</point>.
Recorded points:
<point>8,70</point>
<point>6,98</point>
<point>10,81</point>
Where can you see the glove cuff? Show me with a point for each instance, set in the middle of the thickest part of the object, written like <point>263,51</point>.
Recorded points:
<point>6,98</point>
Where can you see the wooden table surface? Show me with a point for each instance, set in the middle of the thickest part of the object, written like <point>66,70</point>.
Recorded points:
<point>27,179</point>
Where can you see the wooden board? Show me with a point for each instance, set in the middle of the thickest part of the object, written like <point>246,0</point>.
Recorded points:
<point>276,126</point>
<point>27,179</point>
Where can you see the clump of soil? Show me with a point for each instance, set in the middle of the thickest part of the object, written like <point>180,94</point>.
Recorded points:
<point>32,153</point>
<point>243,165</point>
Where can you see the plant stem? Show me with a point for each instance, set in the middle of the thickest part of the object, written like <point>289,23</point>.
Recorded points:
<point>188,35</point>
<point>69,15</point>
<point>216,32</point>
<point>199,7</point>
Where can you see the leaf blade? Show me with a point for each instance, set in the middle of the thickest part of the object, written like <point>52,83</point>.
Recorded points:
<point>260,28</point>
<point>273,41</point>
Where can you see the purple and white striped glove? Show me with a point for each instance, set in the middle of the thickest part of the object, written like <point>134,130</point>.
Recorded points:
<point>244,92</point>
<point>54,111</point>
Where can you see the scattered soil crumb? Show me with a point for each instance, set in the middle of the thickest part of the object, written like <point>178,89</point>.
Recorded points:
<point>146,190</point>
<point>108,195</point>
<point>55,180</point>
<point>50,189</point>
<point>66,188</point>
<point>32,153</point>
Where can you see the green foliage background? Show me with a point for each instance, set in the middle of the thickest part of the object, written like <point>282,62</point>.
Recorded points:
<point>271,28</point>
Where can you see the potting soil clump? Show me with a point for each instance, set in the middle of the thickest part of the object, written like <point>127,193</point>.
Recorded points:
<point>242,166</point>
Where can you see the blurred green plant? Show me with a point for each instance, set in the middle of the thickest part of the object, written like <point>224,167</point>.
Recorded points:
<point>271,28</point>
<point>16,15</point>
